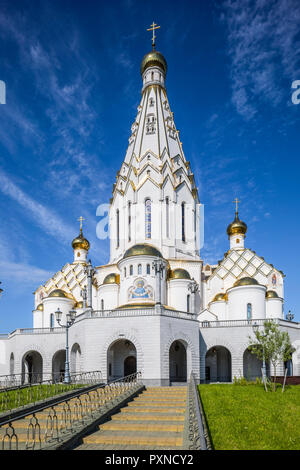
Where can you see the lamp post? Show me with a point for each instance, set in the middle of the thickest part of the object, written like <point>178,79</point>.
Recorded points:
<point>255,328</point>
<point>70,320</point>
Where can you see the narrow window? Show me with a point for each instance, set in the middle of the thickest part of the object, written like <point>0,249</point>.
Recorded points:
<point>148,268</point>
<point>118,228</point>
<point>139,269</point>
<point>51,320</point>
<point>131,270</point>
<point>188,303</point>
<point>102,304</point>
<point>167,217</point>
<point>249,312</point>
<point>183,221</point>
<point>124,272</point>
<point>148,218</point>
<point>129,221</point>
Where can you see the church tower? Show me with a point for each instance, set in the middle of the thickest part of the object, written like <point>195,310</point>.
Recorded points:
<point>155,200</point>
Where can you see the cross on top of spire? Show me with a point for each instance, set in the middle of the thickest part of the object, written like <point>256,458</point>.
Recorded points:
<point>236,202</point>
<point>152,28</point>
<point>81,219</point>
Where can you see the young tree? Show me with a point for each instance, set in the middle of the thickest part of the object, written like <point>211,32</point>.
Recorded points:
<point>272,345</point>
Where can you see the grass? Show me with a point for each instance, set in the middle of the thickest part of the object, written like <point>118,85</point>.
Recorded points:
<point>248,418</point>
<point>17,398</point>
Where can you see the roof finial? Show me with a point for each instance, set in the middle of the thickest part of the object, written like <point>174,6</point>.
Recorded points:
<point>236,201</point>
<point>81,219</point>
<point>152,28</point>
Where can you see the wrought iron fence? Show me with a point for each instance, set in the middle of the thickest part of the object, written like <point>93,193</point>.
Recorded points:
<point>18,395</point>
<point>196,435</point>
<point>66,415</point>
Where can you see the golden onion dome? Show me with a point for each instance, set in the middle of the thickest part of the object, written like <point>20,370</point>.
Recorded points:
<point>142,249</point>
<point>60,293</point>
<point>237,226</point>
<point>152,59</point>
<point>271,294</point>
<point>81,242</point>
<point>40,307</point>
<point>246,281</point>
<point>219,297</point>
<point>179,273</point>
<point>112,278</point>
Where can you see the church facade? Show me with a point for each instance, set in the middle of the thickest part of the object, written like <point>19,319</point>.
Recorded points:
<point>155,307</point>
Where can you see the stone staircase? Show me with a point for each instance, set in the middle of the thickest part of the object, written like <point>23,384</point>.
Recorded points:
<point>153,420</point>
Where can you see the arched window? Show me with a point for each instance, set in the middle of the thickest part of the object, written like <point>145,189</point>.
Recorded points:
<point>118,228</point>
<point>148,218</point>
<point>167,217</point>
<point>124,272</point>
<point>148,268</point>
<point>129,221</point>
<point>188,303</point>
<point>139,269</point>
<point>152,76</point>
<point>183,221</point>
<point>102,304</point>
<point>51,320</point>
<point>131,270</point>
<point>249,312</point>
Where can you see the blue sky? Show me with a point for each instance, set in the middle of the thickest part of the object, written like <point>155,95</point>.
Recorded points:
<point>71,69</point>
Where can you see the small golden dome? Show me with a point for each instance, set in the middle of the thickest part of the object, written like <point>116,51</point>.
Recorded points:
<point>179,273</point>
<point>219,297</point>
<point>40,307</point>
<point>237,226</point>
<point>142,249</point>
<point>60,293</point>
<point>271,294</point>
<point>246,281</point>
<point>81,242</point>
<point>152,59</point>
<point>112,278</point>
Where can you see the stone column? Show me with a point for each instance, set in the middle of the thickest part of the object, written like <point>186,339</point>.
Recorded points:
<point>193,288</point>
<point>89,271</point>
<point>158,266</point>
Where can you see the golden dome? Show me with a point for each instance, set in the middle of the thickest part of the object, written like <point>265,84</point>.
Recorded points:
<point>142,249</point>
<point>271,294</point>
<point>80,242</point>
<point>179,273</point>
<point>237,226</point>
<point>152,59</point>
<point>112,278</point>
<point>219,297</point>
<point>40,307</point>
<point>246,281</point>
<point>60,293</point>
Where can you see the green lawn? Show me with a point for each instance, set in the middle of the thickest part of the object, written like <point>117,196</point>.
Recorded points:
<point>247,418</point>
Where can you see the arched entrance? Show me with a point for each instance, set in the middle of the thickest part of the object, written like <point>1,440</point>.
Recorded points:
<point>121,359</point>
<point>218,364</point>
<point>32,367</point>
<point>252,366</point>
<point>58,365</point>
<point>177,362</point>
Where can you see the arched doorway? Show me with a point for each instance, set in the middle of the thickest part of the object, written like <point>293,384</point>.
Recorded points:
<point>252,366</point>
<point>32,367</point>
<point>75,360</point>
<point>218,364</point>
<point>177,362</point>
<point>58,365</point>
<point>121,359</point>
<point>129,365</point>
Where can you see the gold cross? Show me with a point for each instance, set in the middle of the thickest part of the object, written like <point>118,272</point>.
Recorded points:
<point>152,28</point>
<point>236,201</point>
<point>81,219</point>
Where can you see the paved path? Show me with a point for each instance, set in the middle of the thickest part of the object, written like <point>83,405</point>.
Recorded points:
<point>153,420</point>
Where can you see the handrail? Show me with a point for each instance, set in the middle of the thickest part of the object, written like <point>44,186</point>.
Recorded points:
<point>76,410</point>
<point>195,435</point>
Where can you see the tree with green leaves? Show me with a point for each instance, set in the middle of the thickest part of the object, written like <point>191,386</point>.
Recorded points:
<point>272,345</point>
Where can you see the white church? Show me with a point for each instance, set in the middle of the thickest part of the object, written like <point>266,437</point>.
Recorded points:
<point>156,307</point>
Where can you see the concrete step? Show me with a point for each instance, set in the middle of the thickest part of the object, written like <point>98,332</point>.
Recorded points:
<point>148,417</point>
<point>136,439</point>
<point>153,426</point>
<point>152,409</point>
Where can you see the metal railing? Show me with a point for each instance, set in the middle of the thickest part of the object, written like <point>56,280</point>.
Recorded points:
<point>196,435</point>
<point>67,416</point>
<point>137,312</point>
<point>249,323</point>
<point>17,396</point>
